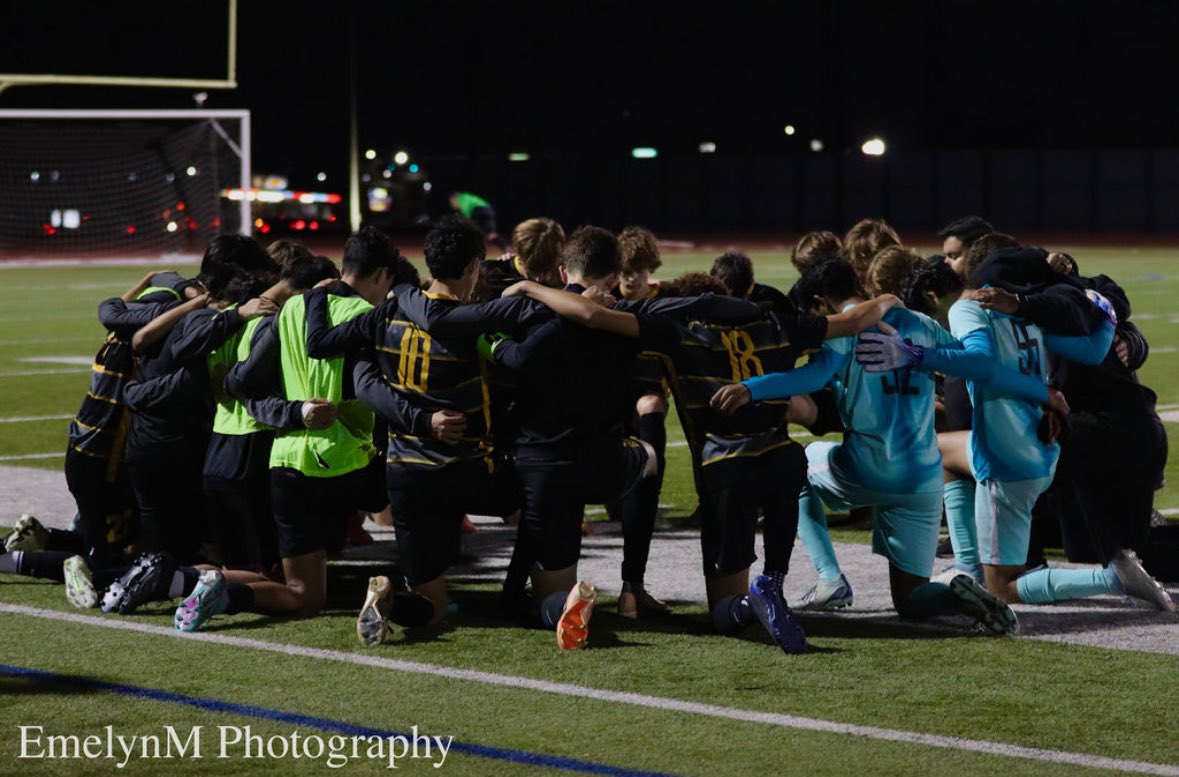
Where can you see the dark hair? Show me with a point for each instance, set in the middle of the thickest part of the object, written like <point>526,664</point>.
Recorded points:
<point>640,251</point>
<point>592,252</point>
<point>405,272</point>
<point>304,271</point>
<point>815,247</point>
<point>735,270</point>
<point>988,243</point>
<point>967,229</point>
<point>229,256</point>
<point>451,245</point>
<point>865,239</point>
<point>241,287</point>
<point>931,275</point>
<point>692,284</point>
<point>834,278</point>
<point>366,252</point>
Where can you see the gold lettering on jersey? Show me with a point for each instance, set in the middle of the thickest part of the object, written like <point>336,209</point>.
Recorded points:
<point>742,355</point>
<point>413,366</point>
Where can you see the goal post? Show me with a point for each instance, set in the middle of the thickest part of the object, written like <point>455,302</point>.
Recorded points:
<point>122,182</point>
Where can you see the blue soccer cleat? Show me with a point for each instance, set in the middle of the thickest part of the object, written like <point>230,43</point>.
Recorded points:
<point>209,598</point>
<point>770,608</point>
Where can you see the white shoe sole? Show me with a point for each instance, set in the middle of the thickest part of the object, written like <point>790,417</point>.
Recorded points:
<point>78,584</point>
<point>371,625</point>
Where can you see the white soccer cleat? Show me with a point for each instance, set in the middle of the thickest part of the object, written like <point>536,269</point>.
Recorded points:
<point>27,535</point>
<point>79,584</point>
<point>826,596</point>
<point>1138,583</point>
<point>372,625</point>
<point>993,614</point>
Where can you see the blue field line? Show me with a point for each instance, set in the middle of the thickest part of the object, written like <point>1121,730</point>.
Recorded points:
<point>325,724</point>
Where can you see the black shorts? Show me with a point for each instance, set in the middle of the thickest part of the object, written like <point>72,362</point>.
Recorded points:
<point>310,513</point>
<point>556,492</point>
<point>169,504</point>
<point>105,503</point>
<point>484,218</point>
<point>956,398</point>
<point>428,506</point>
<point>733,492</point>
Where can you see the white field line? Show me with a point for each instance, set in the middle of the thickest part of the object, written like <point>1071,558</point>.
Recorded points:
<point>20,419</point>
<point>84,361</point>
<point>1170,416</point>
<point>21,456</point>
<point>617,697</point>
<point>25,262</point>
<point>27,373</point>
<point>794,435</point>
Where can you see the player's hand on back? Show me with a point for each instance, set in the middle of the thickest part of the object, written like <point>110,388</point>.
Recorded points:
<point>448,426</point>
<point>318,413</point>
<point>995,299</point>
<point>886,350</point>
<point>603,298</point>
<point>729,399</point>
<point>258,306</point>
<point>1057,402</point>
<point>517,289</point>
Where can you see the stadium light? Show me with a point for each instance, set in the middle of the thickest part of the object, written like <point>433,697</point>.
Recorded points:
<point>789,130</point>
<point>321,177</point>
<point>34,176</point>
<point>816,145</point>
<point>370,154</point>
<point>191,170</point>
<point>401,157</point>
<point>873,147</point>
<point>414,168</point>
<point>427,186</point>
<point>519,156</point>
<point>644,152</point>
<point>707,147</point>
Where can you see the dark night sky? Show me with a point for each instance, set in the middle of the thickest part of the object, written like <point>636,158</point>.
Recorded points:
<point>444,77</point>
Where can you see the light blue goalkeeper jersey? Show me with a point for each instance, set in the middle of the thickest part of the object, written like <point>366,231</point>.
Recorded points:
<point>1004,440</point>
<point>890,444</point>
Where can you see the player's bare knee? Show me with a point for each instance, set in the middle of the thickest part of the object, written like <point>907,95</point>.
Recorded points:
<point>651,403</point>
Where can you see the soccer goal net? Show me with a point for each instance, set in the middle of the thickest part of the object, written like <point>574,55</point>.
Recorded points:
<point>121,184</point>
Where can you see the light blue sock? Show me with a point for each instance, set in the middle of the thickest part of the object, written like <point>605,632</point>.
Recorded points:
<point>959,498</point>
<point>930,601</point>
<point>812,528</point>
<point>1056,585</point>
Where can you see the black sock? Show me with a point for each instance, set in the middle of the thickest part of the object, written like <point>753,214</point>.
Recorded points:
<point>411,610</point>
<point>732,614</point>
<point>552,607</point>
<point>192,576</point>
<point>66,541</point>
<point>241,597</point>
<point>520,567</point>
<point>104,576</point>
<point>641,506</point>
<point>45,564</point>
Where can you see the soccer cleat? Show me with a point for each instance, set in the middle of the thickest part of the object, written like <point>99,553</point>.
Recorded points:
<point>573,627</point>
<point>635,600</point>
<point>1138,583</point>
<point>147,579</point>
<point>372,625</point>
<point>770,608</point>
<point>79,584</point>
<point>826,596</point>
<point>953,570</point>
<point>992,612</point>
<point>27,535</point>
<point>209,598</point>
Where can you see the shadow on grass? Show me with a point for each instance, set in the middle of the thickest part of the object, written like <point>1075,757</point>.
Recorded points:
<point>41,686</point>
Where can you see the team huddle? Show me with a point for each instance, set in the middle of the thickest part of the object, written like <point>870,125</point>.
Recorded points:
<point>238,423</point>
